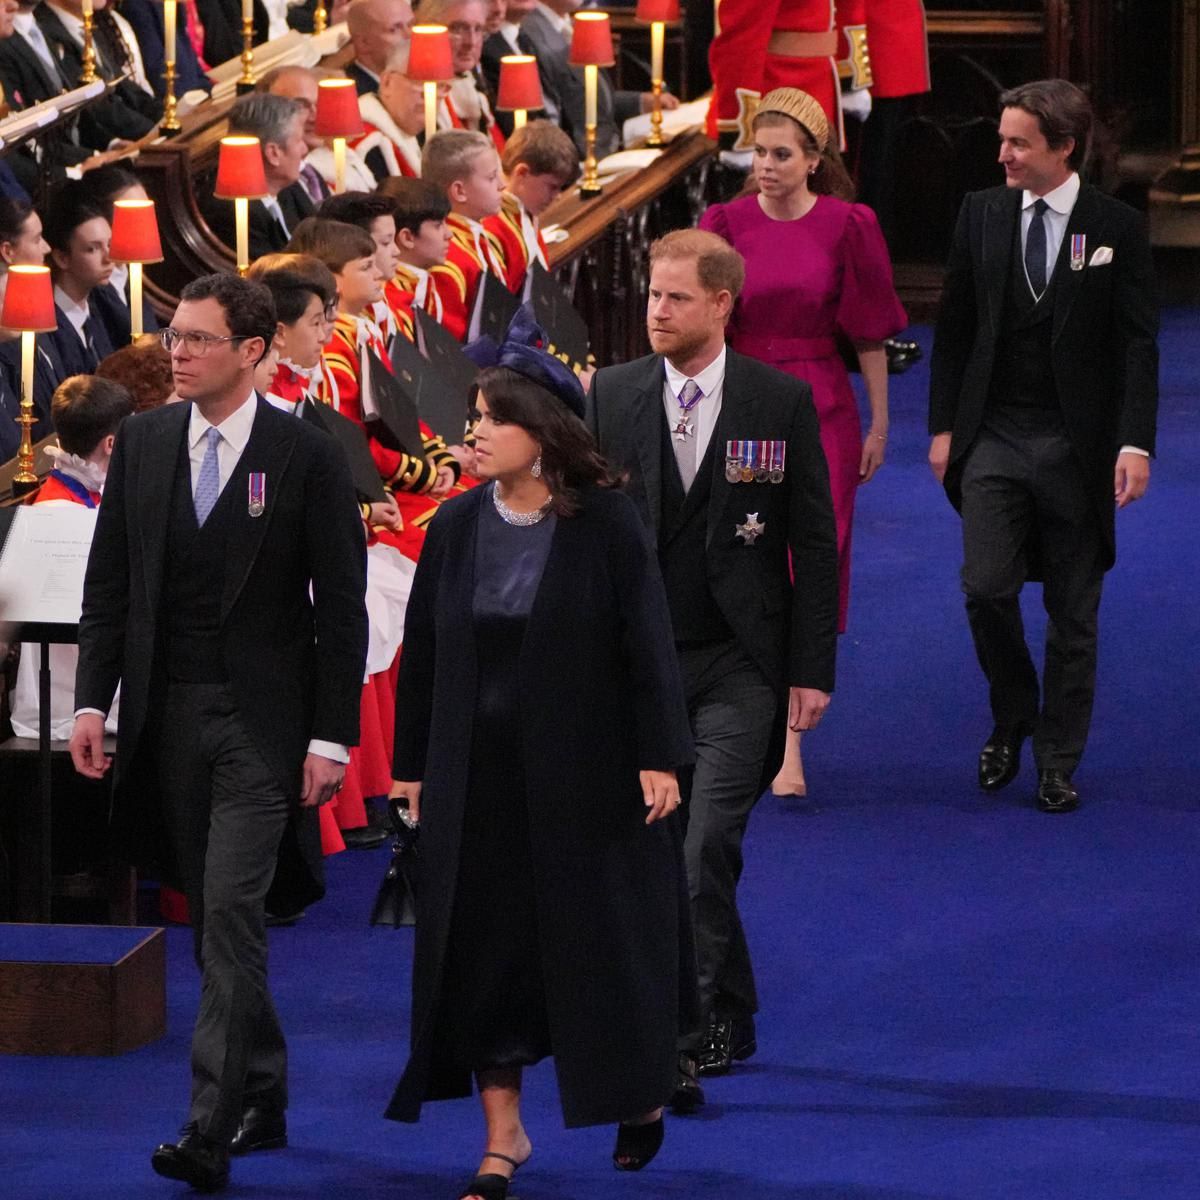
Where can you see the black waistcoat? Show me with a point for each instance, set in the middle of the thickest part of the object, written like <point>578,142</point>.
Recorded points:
<point>194,578</point>
<point>682,541</point>
<point>1023,376</point>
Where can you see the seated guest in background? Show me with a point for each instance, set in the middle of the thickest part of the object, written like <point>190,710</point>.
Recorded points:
<point>419,209</point>
<point>300,84</point>
<point>131,109</point>
<point>305,293</point>
<point>552,913</point>
<point>278,123</point>
<point>86,412</point>
<point>507,38</point>
<point>538,162</point>
<point>105,186</point>
<point>375,215</point>
<point>393,121</point>
<point>22,244</point>
<point>79,234</point>
<point>145,18</point>
<point>467,106</point>
<point>377,29</point>
<point>465,166</point>
<point>221,27</point>
<point>548,27</point>
<point>144,369</point>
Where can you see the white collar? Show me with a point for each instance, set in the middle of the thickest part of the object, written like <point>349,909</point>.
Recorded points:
<point>509,31</point>
<point>235,429</point>
<point>73,310</point>
<point>1061,200</point>
<point>707,380</point>
<point>561,23</point>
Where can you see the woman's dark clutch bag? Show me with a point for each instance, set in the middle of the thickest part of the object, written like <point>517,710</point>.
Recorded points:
<point>394,903</point>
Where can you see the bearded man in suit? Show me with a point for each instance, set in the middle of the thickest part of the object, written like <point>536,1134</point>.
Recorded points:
<point>225,591</point>
<point>1043,403</point>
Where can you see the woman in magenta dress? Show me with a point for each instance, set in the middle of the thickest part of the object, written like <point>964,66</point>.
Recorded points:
<point>816,267</point>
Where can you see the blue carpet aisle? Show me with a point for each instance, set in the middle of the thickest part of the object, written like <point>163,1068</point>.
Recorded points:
<point>964,999</point>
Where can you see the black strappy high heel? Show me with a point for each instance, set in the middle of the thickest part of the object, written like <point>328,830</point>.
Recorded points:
<point>491,1187</point>
<point>637,1145</point>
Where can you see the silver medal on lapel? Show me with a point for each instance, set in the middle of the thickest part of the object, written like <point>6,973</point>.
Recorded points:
<point>257,494</point>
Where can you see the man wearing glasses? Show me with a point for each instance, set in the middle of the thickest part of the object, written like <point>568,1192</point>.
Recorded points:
<point>467,106</point>
<point>225,592</point>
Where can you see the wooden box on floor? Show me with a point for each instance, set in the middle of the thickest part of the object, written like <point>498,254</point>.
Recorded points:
<point>81,989</point>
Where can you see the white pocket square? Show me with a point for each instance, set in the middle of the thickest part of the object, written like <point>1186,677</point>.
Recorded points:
<point>1102,257</point>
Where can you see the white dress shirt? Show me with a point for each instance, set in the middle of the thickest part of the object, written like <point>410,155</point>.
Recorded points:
<point>137,68</point>
<point>26,25</point>
<point>711,382</point>
<point>76,313</point>
<point>509,31</point>
<point>1061,203</point>
<point>271,204</point>
<point>557,21</point>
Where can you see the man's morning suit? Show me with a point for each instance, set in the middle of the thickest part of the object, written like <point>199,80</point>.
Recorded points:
<point>743,631</point>
<point>1041,394</point>
<point>239,642</point>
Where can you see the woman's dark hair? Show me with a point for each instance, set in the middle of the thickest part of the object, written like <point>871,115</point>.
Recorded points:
<point>102,184</point>
<point>144,369</point>
<point>293,280</point>
<point>248,307</point>
<point>830,177</point>
<point>71,204</point>
<point>570,460</point>
<point>13,215</point>
<point>1063,113</point>
<point>85,409</point>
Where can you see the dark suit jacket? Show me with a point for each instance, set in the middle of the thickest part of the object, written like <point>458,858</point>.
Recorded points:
<point>495,47</point>
<point>562,85</point>
<point>112,311</point>
<point>146,17</point>
<point>364,83</point>
<point>48,372</point>
<point>294,662</point>
<point>76,358</point>
<point>1105,325</point>
<point>266,234</point>
<point>127,111</point>
<point>789,632</point>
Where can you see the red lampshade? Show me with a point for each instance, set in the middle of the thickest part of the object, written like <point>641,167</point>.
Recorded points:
<point>520,84</point>
<point>658,10</point>
<point>337,109</point>
<point>135,232</point>
<point>591,40</point>
<point>429,56</point>
<point>240,170</point>
<point>29,300</point>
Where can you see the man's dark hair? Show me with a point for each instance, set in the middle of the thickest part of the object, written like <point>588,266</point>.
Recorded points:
<point>13,215</point>
<point>414,201</point>
<point>355,208</point>
<point>334,242</point>
<point>248,307</point>
<point>293,280</point>
<point>1063,112</point>
<point>71,205</point>
<point>85,409</point>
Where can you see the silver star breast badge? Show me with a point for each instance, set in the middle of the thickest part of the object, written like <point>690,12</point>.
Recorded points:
<point>682,430</point>
<point>752,529</point>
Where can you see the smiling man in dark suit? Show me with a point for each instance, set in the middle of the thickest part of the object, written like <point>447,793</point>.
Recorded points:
<point>1043,402</point>
<point>225,592</point>
<point>726,470</point>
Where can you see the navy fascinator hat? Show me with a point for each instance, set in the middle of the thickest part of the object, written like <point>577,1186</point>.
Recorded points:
<point>523,351</point>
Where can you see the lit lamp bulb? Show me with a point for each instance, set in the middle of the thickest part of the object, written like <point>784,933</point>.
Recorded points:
<point>241,178</point>
<point>591,49</point>
<point>520,87</point>
<point>657,14</point>
<point>28,309</point>
<point>430,62</point>
<point>135,241</point>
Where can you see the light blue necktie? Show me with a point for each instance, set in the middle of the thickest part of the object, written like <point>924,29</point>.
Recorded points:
<point>208,486</point>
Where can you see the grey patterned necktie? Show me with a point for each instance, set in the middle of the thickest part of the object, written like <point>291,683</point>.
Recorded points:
<point>1035,249</point>
<point>208,486</point>
<point>687,448</point>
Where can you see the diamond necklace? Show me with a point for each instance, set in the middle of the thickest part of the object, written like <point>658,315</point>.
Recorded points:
<point>519,518</point>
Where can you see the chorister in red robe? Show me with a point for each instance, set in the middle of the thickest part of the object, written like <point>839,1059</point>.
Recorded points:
<point>473,252</point>
<point>519,237</point>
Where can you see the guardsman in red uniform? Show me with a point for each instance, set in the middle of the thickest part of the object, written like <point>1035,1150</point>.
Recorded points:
<point>466,167</point>
<point>538,162</point>
<point>765,44</point>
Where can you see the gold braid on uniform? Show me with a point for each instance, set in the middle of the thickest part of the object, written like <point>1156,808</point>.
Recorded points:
<point>414,474</point>
<point>438,454</point>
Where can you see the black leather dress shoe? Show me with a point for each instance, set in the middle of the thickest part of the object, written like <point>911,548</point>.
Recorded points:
<point>1000,758</point>
<point>688,1095</point>
<point>261,1129</point>
<point>900,355</point>
<point>194,1159</point>
<point>728,1040</point>
<point>1056,793</point>
<point>365,838</point>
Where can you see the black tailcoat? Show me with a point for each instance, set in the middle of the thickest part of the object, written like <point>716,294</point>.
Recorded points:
<point>1104,352</point>
<point>603,700</point>
<point>789,632</point>
<point>294,663</point>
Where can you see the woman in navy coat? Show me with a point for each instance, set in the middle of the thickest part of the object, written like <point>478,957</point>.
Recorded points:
<point>540,721</point>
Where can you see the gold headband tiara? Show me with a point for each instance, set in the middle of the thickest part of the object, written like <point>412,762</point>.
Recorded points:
<point>802,108</point>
